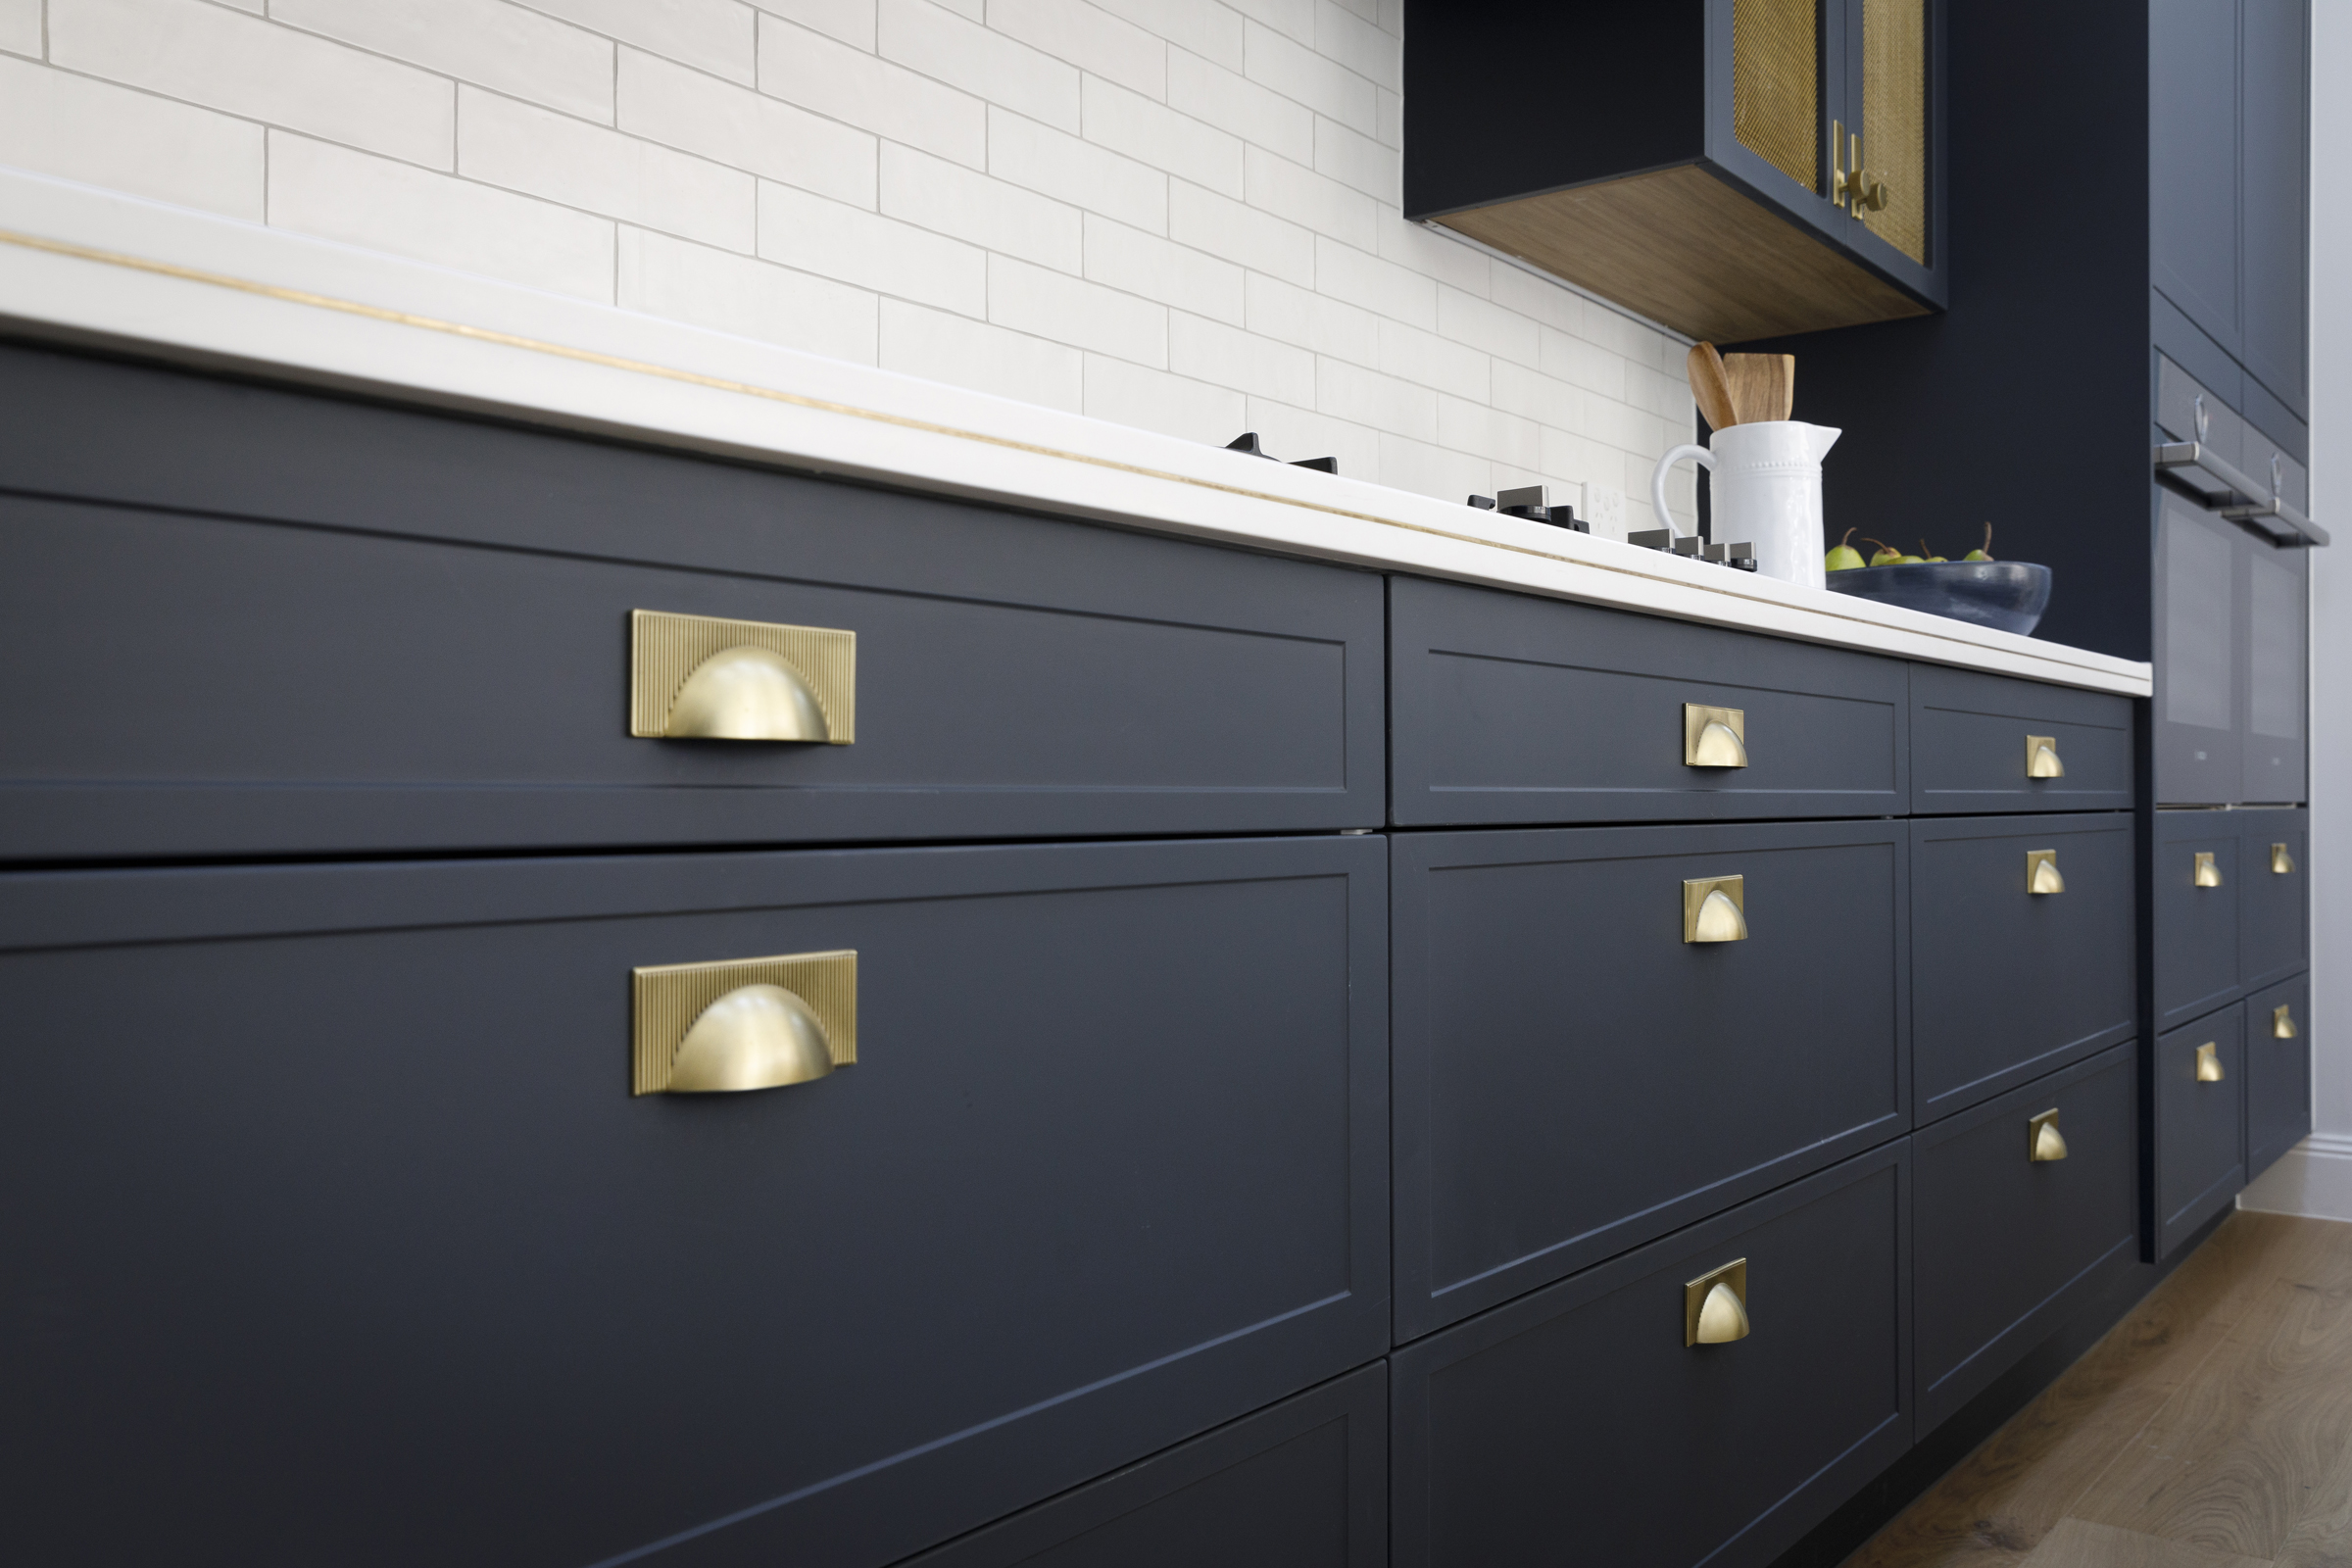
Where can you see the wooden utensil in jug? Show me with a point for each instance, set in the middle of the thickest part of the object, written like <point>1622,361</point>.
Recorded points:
<point>1763,385</point>
<point>1711,387</point>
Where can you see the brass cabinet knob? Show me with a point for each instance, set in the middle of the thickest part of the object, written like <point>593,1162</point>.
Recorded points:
<point>2042,758</point>
<point>2208,1063</point>
<point>2041,873</point>
<point>1715,908</point>
<point>746,1023</point>
<point>2044,1142</point>
<point>1715,1305</point>
<point>1714,737</point>
<point>2282,1023</point>
<point>2209,875</point>
<point>2282,862</point>
<point>694,677</point>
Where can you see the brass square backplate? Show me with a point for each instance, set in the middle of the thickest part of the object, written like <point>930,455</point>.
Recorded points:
<point>1702,750</point>
<point>2035,747</point>
<point>1694,1293</point>
<point>670,997</point>
<point>2041,873</point>
<point>664,649</point>
<point>1698,924</point>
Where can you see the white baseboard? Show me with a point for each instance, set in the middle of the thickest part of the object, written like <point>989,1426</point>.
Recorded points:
<point>2313,1179</point>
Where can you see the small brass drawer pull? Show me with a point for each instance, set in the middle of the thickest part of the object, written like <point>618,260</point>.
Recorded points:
<point>2042,758</point>
<point>693,677</point>
<point>1715,908</point>
<point>2282,1023</point>
<point>2208,1063</point>
<point>746,1023</point>
<point>2044,1142</point>
<point>1714,737</point>
<point>2282,862</point>
<point>1715,1305</point>
<point>2209,875</point>
<point>2041,873</point>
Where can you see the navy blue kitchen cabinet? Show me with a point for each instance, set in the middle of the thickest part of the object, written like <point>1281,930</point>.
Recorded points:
<point>2199,1125</point>
<point>2278,1072</point>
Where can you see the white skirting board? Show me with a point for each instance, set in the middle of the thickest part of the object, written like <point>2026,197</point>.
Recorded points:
<point>2313,1179</point>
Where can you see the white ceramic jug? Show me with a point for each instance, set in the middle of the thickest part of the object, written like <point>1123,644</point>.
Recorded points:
<point>1767,493</point>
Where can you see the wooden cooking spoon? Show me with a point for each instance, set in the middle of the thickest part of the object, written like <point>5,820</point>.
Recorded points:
<point>1711,387</point>
<point>1763,385</point>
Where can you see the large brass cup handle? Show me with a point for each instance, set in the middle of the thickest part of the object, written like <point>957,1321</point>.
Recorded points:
<point>746,1023</point>
<point>694,677</point>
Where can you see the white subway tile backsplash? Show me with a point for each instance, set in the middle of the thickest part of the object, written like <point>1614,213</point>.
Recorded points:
<point>1259,116</point>
<point>490,42</point>
<point>1278,185</point>
<point>1296,71</point>
<point>729,293</point>
<point>1076,170</point>
<point>1257,240</point>
<point>1153,133</point>
<point>855,246</point>
<point>1146,264</point>
<point>1089,38</point>
<point>1155,400</point>
<point>682,108</point>
<point>541,153</point>
<point>386,205</point>
<point>102,135</point>
<point>203,54</point>
<point>1069,310</point>
<point>1183,214</point>
<point>831,78</point>
<point>714,35</point>
<point>948,199</point>
<point>987,359</point>
<point>923,37</point>
<point>21,27</point>
<point>849,21</point>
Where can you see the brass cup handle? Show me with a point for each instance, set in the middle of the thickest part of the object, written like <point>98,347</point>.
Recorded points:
<point>2282,1023</point>
<point>1715,908</point>
<point>2042,758</point>
<point>2043,1141</point>
<point>2041,873</point>
<point>694,677</point>
<point>1715,1305</point>
<point>1714,737</point>
<point>2282,862</point>
<point>743,1024</point>
<point>2208,1063</point>
<point>2207,874</point>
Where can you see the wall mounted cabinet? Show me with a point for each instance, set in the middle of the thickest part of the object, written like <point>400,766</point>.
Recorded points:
<point>1732,168</point>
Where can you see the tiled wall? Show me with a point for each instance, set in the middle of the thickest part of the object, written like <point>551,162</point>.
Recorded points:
<point>1176,213</point>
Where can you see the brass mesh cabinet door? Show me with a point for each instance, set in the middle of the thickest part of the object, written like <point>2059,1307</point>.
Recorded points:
<point>1895,119</point>
<point>1775,85</point>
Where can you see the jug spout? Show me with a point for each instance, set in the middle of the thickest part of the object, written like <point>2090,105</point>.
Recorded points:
<point>1819,438</point>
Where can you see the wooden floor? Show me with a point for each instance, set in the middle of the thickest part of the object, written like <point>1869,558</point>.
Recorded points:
<point>2212,1429</point>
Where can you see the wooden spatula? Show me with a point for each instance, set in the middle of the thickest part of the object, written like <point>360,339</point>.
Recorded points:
<point>1711,387</point>
<point>1763,385</point>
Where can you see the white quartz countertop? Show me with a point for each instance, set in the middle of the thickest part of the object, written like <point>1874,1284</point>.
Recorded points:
<point>92,267</point>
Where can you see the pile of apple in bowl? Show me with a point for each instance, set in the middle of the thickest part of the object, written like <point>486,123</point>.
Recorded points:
<point>2005,595</point>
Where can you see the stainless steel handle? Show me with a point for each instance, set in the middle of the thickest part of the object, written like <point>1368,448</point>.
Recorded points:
<point>2260,501</point>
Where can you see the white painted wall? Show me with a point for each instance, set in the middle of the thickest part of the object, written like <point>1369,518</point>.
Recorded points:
<point>1182,214</point>
<point>2317,1178</point>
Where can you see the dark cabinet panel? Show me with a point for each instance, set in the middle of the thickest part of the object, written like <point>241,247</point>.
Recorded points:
<point>2276,193</point>
<point>1579,1424</point>
<point>2278,1072</point>
<point>349,1222</point>
<point>2274,894</point>
<point>270,621</point>
<point>1302,1484</point>
<point>2274,637</point>
<point>2199,879</point>
<point>1508,707</point>
<point>2007,1243</point>
<point>2200,1078</point>
<point>1971,743</point>
<point>2008,983</point>
<point>1573,1077</point>
<point>2198,707</point>
<point>2193,158</point>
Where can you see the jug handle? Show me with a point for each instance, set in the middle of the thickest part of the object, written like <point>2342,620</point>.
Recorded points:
<point>1657,481</point>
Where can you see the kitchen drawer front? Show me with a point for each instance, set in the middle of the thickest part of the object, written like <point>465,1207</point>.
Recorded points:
<point>2197,911</point>
<point>1574,1078</point>
<point>1511,708</point>
<point>1969,748</point>
<point>1578,1425</point>
<point>2278,1072</point>
<point>1301,1484</point>
<point>2007,983</point>
<point>270,621</point>
<point>350,1221</point>
<point>2007,1243</point>
<point>2200,1124</point>
<point>2274,894</point>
